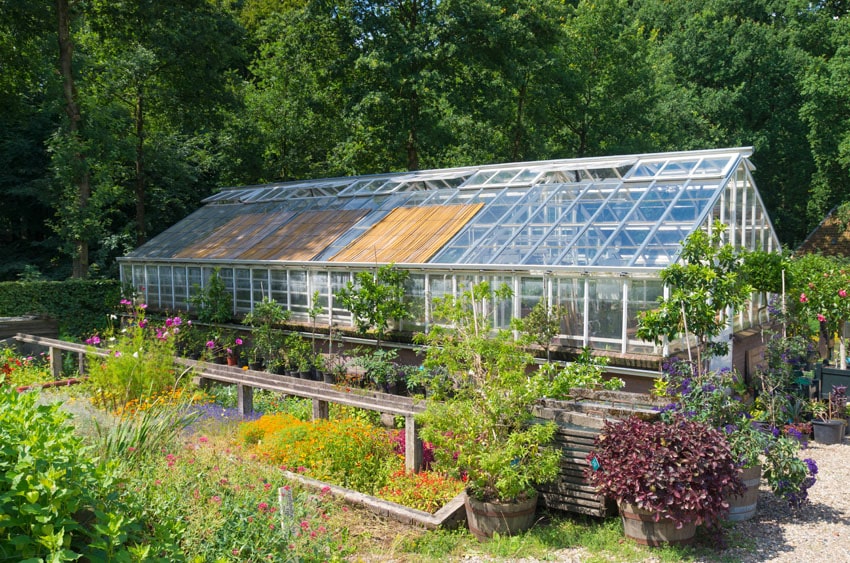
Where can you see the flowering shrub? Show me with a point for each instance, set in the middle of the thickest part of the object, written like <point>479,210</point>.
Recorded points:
<point>140,359</point>
<point>347,452</point>
<point>428,490</point>
<point>225,507</point>
<point>681,470</point>
<point>23,370</point>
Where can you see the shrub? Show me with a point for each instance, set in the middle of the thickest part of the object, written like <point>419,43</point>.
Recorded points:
<point>347,452</point>
<point>53,494</point>
<point>680,470</point>
<point>139,363</point>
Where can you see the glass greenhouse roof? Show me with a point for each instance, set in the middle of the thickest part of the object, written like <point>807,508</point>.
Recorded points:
<point>611,212</point>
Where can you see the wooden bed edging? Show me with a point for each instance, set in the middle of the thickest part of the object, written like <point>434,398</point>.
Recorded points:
<point>452,515</point>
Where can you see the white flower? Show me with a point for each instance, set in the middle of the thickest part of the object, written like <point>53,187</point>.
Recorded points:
<point>113,317</point>
<point>135,354</point>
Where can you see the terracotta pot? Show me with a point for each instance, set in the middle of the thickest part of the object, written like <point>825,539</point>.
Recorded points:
<point>487,518</point>
<point>640,526</point>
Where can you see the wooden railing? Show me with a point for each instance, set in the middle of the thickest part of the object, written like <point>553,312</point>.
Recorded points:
<point>247,380</point>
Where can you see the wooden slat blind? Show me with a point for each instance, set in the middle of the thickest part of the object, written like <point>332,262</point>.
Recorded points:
<point>305,236</point>
<point>236,236</point>
<point>408,234</point>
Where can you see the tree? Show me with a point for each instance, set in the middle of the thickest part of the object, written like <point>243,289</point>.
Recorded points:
<point>542,324</point>
<point>376,298</point>
<point>704,288</point>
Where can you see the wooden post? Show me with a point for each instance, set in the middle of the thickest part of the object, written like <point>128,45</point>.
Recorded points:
<point>81,363</point>
<point>245,399</point>
<point>320,409</point>
<point>55,355</point>
<point>413,445</point>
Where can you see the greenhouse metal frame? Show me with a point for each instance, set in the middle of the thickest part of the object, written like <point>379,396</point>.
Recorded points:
<point>590,234</point>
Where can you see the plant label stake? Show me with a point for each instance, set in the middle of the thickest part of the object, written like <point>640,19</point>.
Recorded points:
<point>284,497</point>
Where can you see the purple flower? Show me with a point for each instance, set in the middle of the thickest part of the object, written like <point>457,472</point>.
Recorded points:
<point>813,467</point>
<point>239,342</point>
<point>210,344</point>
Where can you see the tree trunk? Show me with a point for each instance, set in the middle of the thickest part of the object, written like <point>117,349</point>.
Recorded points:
<point>72,108</point>
<point>141,234</point>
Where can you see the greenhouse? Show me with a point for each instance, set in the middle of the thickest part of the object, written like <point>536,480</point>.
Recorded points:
<point>590,234</point>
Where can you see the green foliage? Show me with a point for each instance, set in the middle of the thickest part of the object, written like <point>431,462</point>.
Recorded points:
<point>138,361</point>
<point>144,432</point>
<point>376,298</point>
<point>584,373</point>
<point>702,286</point>
<point>53,494</point>
<point>484,428</point>
<point>23,370</point>
<point>217,505</point>
<point>79,306</point>
<point>213,302</point>
<point>265,319</point>
<point>763,270</point>
<point>542,324</point>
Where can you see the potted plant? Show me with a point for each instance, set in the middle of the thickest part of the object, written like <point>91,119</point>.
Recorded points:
<point>666,477</point>
<point>267,338</point>
<point>483,430</point>
<point>828,424</point>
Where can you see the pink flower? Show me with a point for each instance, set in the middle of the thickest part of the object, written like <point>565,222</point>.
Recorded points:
<point>126,302</point>
<point>239,342</point>
<point>821,318</point>
<point>210,344</point>
<point>235,552</point>
<point>305,525</point>
<point>203,439</point>
<point>326,490</point>
<point>216,499</point>
<point>262,507</point>
<point>803,298</point>
<point>842,293</point>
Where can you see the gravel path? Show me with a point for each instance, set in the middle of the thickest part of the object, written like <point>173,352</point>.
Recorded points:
<point>819,531</point>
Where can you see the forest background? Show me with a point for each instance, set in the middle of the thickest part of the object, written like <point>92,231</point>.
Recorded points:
<point>118,116</point>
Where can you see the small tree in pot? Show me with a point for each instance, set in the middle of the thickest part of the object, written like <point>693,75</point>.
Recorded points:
<point>480,421</point>
<point>675,474</point>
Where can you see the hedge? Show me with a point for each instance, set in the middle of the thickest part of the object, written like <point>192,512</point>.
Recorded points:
<point>79,306</point>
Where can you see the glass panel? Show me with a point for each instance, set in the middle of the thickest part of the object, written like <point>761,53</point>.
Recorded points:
<point>319,282</point>
<point>531,291</point>
<point>647,170</point>
<point>259,285</point>
<point>643,296</point>
<point>338,281</point>
<point>569,293</point>
<point>502,308</point>
<point>166,291</point>
<point>298,294</point>
<point>414,295</point>
<point>605,313</point>
<point>151,287</point>
<point>279,288</point>
<point>678,168</point>
<point>180,284</point>
<point>243,290</point>
<point>712,166</point>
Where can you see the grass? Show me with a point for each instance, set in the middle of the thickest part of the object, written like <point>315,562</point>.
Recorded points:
<point>372,538</point>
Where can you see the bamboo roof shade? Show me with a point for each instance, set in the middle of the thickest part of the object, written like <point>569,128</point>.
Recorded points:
<point>628,211</point>
<point>274,236</point>
<point>408,234</point>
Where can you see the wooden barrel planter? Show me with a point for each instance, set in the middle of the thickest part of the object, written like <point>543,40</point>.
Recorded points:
<point>640,526</point>
<point>579,422</point>
<point>743,507</point>
<point>486,518</point>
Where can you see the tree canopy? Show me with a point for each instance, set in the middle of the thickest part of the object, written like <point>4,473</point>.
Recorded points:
<point>155,105</point>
